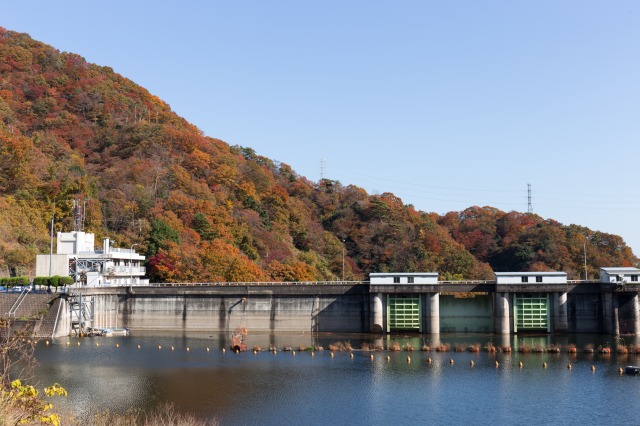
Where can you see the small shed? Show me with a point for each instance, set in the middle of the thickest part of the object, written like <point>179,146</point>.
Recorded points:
<point>619,275</point>
<point>411,278</point>
<point>548,277</point>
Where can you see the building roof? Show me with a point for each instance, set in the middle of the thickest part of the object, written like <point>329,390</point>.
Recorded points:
<point>403,274</point>
<point>531,274</point>
<point>619,269</point>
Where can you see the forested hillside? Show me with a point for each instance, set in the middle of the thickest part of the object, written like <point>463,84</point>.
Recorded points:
<point>203,210</point>
<point>524,242</point>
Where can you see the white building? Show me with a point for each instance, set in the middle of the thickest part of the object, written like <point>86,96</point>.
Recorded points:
<point>395,278</point>
<point>619,275</point>
<point>107,266</point>
<point>531,277</point>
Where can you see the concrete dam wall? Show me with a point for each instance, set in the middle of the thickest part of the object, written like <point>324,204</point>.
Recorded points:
<point>339,308</point>
<point>342,307</point>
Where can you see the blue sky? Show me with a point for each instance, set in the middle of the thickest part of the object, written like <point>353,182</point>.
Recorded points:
<point>445,104</point>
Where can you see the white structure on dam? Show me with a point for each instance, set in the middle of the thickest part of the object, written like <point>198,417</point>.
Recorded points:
<point>108,266</point>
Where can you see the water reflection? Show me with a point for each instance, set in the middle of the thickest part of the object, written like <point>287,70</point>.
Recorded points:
<point>267,388</point>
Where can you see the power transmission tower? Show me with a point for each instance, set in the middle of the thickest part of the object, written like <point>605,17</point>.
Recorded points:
<point>529,206</point>
<point>322,169</point>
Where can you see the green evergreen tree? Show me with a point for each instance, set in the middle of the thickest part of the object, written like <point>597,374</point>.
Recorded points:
<point>161,232</point>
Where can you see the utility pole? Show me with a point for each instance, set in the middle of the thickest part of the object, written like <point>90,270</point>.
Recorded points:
<point>586,277</point>
<point>51,248</point>
<point>343,247</point>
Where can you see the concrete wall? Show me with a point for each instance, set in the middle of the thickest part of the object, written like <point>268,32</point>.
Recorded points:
<point>466,315</point>
<point>59,265</point>
<point>585,314</point>
<point>63,327</point>
<point>627,316</point>
<point>341,308</point>
<point>223,313</point>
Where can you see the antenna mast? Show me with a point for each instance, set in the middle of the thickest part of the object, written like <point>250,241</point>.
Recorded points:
<point>529,205</point>
<point>78,215</point>
<point>322,169</point>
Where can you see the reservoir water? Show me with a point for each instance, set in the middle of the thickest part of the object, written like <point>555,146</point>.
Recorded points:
<point>142,371</point>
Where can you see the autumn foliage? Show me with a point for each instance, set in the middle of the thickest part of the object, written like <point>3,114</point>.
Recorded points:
<point>526,242</point>
<point>202,210</point>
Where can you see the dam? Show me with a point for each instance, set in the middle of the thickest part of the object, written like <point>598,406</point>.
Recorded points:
<point>387,303</point>
<point>112,293</point>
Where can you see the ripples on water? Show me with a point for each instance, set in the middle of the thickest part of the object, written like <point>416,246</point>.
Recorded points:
<point>264,388</point>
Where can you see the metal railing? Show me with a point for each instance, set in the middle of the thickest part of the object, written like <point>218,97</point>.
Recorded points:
<point>310,283</point>
<point>126,270</point>
<point>18,302</point>
<point>258,283</point>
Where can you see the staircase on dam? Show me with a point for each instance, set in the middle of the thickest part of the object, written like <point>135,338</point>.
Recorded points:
<point>47,326</point>
<point>24,306</point>
<point>28,309</point>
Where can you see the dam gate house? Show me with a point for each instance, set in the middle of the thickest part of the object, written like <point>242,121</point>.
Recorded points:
<point>512,303</point>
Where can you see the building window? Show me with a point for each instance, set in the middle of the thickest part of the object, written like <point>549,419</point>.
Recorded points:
<point>396,280</point>
<point>524,279</point>
<point>634,278</point>
<point>538,279</point>
<point>410,280</point>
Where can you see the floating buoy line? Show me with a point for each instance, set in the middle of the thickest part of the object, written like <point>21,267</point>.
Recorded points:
<point>352,354</point>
